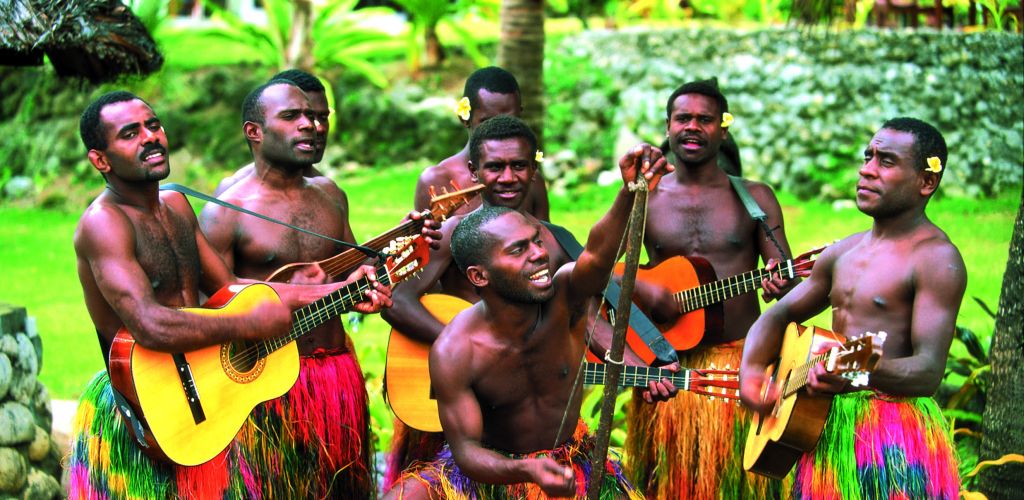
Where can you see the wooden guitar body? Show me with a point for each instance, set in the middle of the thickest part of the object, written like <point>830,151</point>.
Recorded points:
<point>775,442</point>
<point>674,274</point>
<point>407,374</point>
<point>150,379</point>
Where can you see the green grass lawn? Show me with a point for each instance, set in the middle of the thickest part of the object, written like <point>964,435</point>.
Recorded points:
<point>39,265</point>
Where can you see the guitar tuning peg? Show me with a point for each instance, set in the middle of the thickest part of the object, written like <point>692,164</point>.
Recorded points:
<point>432,191</point>
<point>455,184</point>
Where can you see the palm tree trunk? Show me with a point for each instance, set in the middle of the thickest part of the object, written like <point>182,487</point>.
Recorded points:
<point>1002,424</point>
<point>521,52</point>
<point>299,53</point>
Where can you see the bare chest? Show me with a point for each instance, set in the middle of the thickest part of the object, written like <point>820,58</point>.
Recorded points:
<point>165,248</point>
<point>872,290</point>
<point>264,246</point>
<point>715,227</point>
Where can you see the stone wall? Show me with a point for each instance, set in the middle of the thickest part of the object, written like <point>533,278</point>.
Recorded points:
<point>29,458</point>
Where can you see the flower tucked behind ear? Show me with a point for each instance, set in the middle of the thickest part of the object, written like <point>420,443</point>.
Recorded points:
<point>462,108</point>
<point>934,164</point>
<point>539,157</point>
<point>726,119</point>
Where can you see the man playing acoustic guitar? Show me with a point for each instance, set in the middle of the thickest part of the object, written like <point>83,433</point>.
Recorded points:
<point>686,448</point>
<point>141,256</point>
<point>319,432</point>
<point>906,278</point>
<point>504,369</point>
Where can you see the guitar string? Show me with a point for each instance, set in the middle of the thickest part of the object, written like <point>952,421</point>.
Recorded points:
<point>693,298</point>
<point>335,265</point>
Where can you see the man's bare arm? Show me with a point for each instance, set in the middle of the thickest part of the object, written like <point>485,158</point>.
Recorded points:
<point>106,242</point>
<point>432,176</point>
<point>776,287</point>
<point>764,340</point>
<point>219,226</point>
<point>940,279</point>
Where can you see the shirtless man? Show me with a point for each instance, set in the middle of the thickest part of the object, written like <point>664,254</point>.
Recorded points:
<point>141,256</point>
<point>317,94</point>
<point>906,278</point>
<point>696,212</point>
<point>490,92</point>
<point>502,159</point>
<point>325,435</point>
<point>504,369</point>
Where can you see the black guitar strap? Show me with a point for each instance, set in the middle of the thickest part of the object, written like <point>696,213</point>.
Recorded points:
<point>638,321</point>
<point>205,197</point>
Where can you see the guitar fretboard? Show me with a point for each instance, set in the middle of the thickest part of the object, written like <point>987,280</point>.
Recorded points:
<point>723,383</point>
<point>350,258</point>
<point>724,289</point>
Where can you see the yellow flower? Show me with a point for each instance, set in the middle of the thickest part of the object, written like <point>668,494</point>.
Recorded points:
<point>462,108</point>
<point>934,164</point>
<point>726,119</point>
<point>539,157</point>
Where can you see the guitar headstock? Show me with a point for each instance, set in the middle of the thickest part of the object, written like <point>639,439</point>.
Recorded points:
<point>803,263</point>
<point>407,255</point>
<point>856,358</point>
<point>445,204</point>
<point>716,383</point>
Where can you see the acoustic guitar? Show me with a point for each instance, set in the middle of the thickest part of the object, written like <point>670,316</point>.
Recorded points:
<point>442,206</point>
<point>408,391</point>
<point>700,296</point>
<point>776,441</point>
<point>187,407</point>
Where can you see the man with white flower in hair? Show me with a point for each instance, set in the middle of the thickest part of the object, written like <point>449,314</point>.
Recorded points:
<point>903,277</point>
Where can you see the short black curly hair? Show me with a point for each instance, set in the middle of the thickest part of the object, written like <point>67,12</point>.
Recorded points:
<point>491,79</point>
<point>252,105</point>
<point>707,88</point>
<point>500,127</point>
<point>304,81</point>
<point>91,128</point>
<point>470,245</point>
<point>928,141</point>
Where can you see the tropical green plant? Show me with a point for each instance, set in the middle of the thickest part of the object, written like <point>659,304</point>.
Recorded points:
<point>296,34</point>
<point>428,16</point>
<point>1001,19</point>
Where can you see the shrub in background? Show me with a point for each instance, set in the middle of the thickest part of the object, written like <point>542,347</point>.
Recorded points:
<point>806,103</point>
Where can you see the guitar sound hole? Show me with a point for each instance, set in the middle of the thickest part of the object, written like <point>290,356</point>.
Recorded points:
<point>243,355</point>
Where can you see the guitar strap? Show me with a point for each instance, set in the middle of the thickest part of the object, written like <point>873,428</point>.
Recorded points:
<point>755,211</point>
<point>205,197</point>
<point>638,321</point>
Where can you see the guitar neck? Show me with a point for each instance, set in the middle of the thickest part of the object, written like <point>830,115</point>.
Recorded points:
<point>698,381</point>
<point>719,291</point>
<point>344,261</point>
<point>320,311</point>
<point>798,379</point>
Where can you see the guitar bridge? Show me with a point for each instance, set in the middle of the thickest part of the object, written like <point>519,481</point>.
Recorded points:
<point>188,384</point>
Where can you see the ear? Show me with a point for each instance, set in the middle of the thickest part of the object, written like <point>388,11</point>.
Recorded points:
<point>929,182</point>
<point>472,171</point>
<point>253,132</point>
<point>99,161</point>
<point>477,276</point>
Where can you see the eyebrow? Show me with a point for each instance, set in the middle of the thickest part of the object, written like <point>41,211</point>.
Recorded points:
<point>524,241</point>
<point>129,127</point>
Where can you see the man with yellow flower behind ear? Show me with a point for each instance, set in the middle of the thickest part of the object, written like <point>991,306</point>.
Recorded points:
<point>489,92</point>
<point>687,448</point>
<point>906,278</point>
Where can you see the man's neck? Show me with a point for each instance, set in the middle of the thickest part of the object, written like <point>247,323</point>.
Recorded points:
<point>277,176</point>
<point>141,195</point>
<point>702,174</point>
<point>898,225</point>
<point>514,321</point>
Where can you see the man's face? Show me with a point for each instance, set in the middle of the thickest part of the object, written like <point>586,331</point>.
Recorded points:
<point>889,179</point>
<point>695,130</point>
<point>318,101</point>
<point>519,266</point>
<point>506,170</point>
<point>289,131</point>
<point>491,104</point>
<point>136,144</point>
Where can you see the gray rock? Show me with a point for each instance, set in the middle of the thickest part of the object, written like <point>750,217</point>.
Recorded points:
<point>17,424</point>
<point>13,470</point>
<point>23,388</point>
<point>6,374</point>
<point>40,445</point>
<point>41,486</point>
<point>27,359</point>
<point>32,332</point>
<point>8,345</point>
